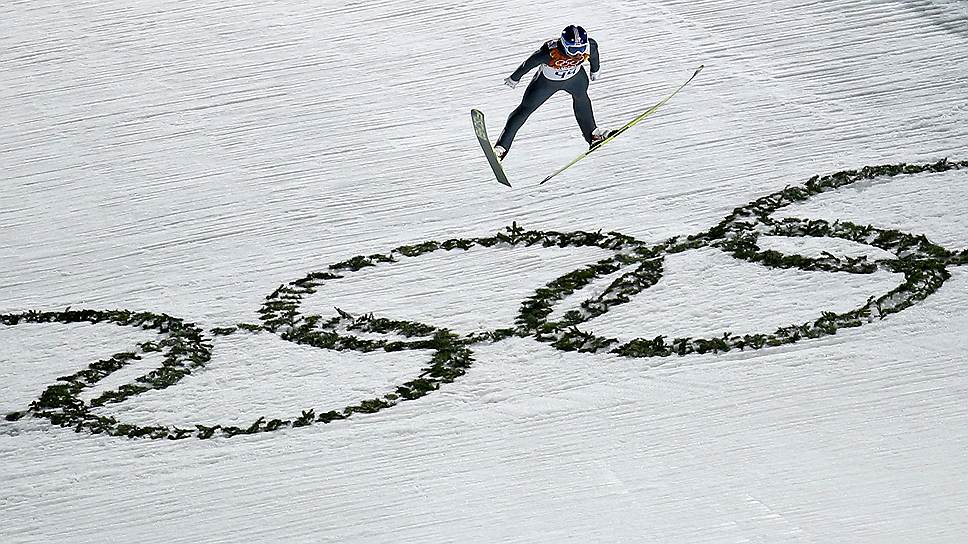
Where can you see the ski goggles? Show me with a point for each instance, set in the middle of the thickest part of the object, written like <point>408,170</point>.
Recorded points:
<point>573,49</point>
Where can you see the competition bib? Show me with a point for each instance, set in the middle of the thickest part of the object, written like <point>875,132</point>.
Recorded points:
<point>561,66</point>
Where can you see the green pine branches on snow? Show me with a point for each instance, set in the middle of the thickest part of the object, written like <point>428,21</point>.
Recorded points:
<point>186,349</point>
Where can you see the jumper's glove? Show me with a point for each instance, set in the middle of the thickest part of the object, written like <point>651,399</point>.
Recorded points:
<point>510,82</point>
<point>593,76</point>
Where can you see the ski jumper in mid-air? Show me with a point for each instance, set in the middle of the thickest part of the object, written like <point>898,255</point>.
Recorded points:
<point>562,69</point>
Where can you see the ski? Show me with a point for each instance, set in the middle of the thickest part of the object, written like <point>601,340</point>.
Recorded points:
<point>625,127</point>
<point>478,119</point>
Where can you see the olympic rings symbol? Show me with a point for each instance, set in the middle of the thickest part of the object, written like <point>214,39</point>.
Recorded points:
<point>186,348</point>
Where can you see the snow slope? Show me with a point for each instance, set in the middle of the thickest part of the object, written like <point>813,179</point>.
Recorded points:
<point>189,158</point>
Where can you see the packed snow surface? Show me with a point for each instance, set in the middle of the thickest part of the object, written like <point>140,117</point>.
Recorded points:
<point>189,158</point>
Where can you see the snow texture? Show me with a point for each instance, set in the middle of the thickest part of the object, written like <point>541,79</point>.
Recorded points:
<point>190,157</point>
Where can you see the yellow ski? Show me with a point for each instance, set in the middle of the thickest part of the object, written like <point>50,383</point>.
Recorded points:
<point>478,119</point>
<point>627,126</point>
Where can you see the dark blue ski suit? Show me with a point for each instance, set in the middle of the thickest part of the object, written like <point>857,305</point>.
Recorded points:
<point>559,72</point>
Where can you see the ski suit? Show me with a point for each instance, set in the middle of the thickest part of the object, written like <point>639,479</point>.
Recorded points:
<point>559,72</point>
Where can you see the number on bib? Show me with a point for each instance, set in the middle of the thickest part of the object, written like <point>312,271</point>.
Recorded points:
<point>566,73</point>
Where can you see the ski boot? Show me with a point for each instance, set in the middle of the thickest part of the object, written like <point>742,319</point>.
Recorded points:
<point>599,136</point>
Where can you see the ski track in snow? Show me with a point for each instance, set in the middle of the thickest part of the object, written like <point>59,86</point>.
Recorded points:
<point>190,157</point>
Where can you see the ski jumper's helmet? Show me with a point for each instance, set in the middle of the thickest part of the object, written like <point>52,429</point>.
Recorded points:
<point>574,40</point>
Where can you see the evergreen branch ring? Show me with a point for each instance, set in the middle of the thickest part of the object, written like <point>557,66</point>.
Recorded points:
<point>923,264</point>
